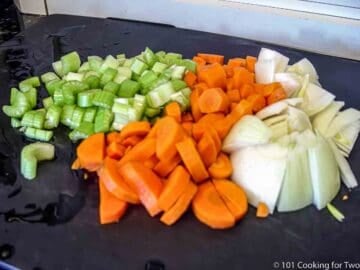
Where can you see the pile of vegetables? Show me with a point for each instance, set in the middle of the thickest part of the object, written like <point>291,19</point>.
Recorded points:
<point>170,133</point>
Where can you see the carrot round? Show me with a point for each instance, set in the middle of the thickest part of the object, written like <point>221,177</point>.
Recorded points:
<point>190,78</point>
<point>164,167</point>
<point>200,87</point>
<point>111,208</point>
<point>169,132</point>
<point>213,75</point>
<point>233,196</point>
<point>257,101</point>
<point>194,104</point>
<point>173,110</point>
<point>114,183</point>
<point>221,168</point>
<point>131,140</point>
<point>147,184</point>
<point>192,160</point>
<point>262,210</point>
<point>243,108</point>
<point>91,152</point>
<point>137,128</point>
<point>213,100</point>
<point>174,187</point>
<point>210,209</point>
<point>234,95</point>
<point>207,149</point>
<point>277,95</point>
<point>140,152</point>
<point>242,76</point>
<point>212,58</point>
<point>236,62</point>
<point>181,205</point>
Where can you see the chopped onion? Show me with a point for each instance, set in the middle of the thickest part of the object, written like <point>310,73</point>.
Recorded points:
<point>291,82</point>
<point>303,67</point>
<point>278,107</point>
<point>316,99</point>
<point>322,120</point>
<point>264,71</point>
<point>347,137</point>
<point>281,61</point>
<point>342,120</point>
<point>298,120</point>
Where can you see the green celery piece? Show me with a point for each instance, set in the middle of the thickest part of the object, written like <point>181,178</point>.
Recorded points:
<point>52,85</point>
<point>129,62</point>
<point>172,55</point>
<point>70,62</point>
<point>31,154</point>
<point>110,62</point>
<point>49,76</point>
<point>124,71</point>
<point>59,97</point>
<point>92,73</point>
<point>149,57</point>
<point>103,120</point>
<point>112,87</point>
<point>34,119</point>
<point>89,115</point>
<point>31,96</point>
<point>19,104</point>
<point>121,56</point>
<point>178,84</point>
<point>85,99</point>
<point>72,76</point>
<point>58,68</point>
<point>92,82</point>
<point>66,115</point>
<point>152,112</point>
<point>135,77</point>
<point>160,54</point>
<point>335,212</point>
<point>103,99</point>
<point>52,117</point>
<point>138,66</point>
<point>84,130</point>
<point>47,102</point>
<point>188,64</point>
<point>160,95</point>
<point>95,62</point>
<point>147,79</point>
<point>159,68</point>
<point>84,67</point>
<point>75,87</point>
<point>128,89</point>
<point>15,122</point>
<point>69,97</point>
<point>108,75</point>
<point>29,83</point>
<point>178,72</point>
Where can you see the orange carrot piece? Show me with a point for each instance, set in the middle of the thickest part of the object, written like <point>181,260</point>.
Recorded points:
<point>199,60</point>
<point>221,168</point>
<point>164,167</point>
<point>140,152</point>
<point>234,95</point>
<point>277,95</point>
<point>91,152</point>
<point>137,128</point>
<point>212,58</point>
<point>200,87</point>
<point>210,118</point>
<point>242,76</point>
<point>114,183</point>
<point>190,78</point>
<point>174,187</point>
<point>250,63</point>
<point>169,132</point>
<point>229,84</point>
<point>233,196</point>
<point>269,88</point>
<point>192,160</point>
<point>76,165</point>
<point>210,209</point>
<point>229,71</point>
<point>236,62</point>
<point>223,126</point>
<point>257,101</point>
<point>187,117</point>
<point>244,107</point>
<point>181,205</point>
<point>173,110</point>
<point>146,183</point>
<point>151,162</point>
<point>194,104</point>
<point>111,137</point>
<point>115,150</point>
<point>262,210</point>
<point>207,149</point>
<point>187,126</point>
<point>213,75</point>
<point>233,105</point>
<point>111,208</point>
<point>200,128</point>
<point>131,141</point>
<point>259,89</point>
<point>214,100</point>
<point>246,90</point>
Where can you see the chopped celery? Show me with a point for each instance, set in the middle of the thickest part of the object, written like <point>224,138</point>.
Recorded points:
<point>84,99</point>
<point>128,88</point>
<point>58,97</point>
<point>103,99</point>
<point>92,81</point>
<point>68,95</point>
<point>178,84</point>
<point>29,83</point>
<point>70,62</point>
<point>125,71</point>
<point>51,86</point>
<point>15,122</point>
<point>49,76</point>
<point>110,62</point>
<point>84,67</point>
<point>47,102</point>
<point>159,68</point>
<point>89,115</point>
<point>31,96</point>
<point>34,119</point>
<point>112,87</point>
<point>38,134</point>
<point>108,75</point>
<point>147,79</point>
<point>152,112</point>
<point>103,120</point>
<point>335,212</point>
<point>178,72</point>
<point>95,62</point>
<point>75,87</point>
<point>31,154</point>
<point>72,76</point>
<point>189,64</point>
<point>160,95</point>
<point>58,68</point>
<point>138,66</point>
<point>19,104</point>
<point>52,117</point>
<point>84,130</point>
<point>149,57</point>
<point>128,62</point>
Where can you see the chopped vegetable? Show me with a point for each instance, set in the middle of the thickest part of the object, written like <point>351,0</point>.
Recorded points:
<point>335,212</point>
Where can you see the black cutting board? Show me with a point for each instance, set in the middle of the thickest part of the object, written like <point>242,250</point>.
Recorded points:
<point>81,243</point>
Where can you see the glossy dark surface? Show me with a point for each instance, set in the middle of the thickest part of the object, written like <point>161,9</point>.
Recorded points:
<point>71,237</point>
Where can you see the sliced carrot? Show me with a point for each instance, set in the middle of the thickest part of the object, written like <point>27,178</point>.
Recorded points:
<point>173,110</point>
<point>182,204</point>
<point>223,126</point>
<point>236,62</point>
<point>244,107</point>
<point>115,150</point>
<point>212,58</point>
<point>187,117</point>
<point>91,152</point>
<point>192,160</point>
<point>200,87</point>
<point>229,71</point>
<point>214,100</point>
<point>199,60</point>
<point>174,187</point>
<point>187,126</point>
<point>137,128</point>
<point>114,183</point>
<point>200,128</point>
<point>277,95</point>
<point>210,209</point>
<point>262,210</point>
<point>221,168</point>
<point>257,101</point>
<point>242,76</point>
<point>111,208</point>
<point>250,63</point>
<point>246,90</point>
<point>210,118</point>
<point>194,104</point>
<point>207,149</point>
<point>76,165</point>
<point>164,167</point>
<point>234,95</point>
<point>269,88</point>
<point>151,162</point>
<point>233,105</point>
<point>146,183</point>
<point>259,89</point>
<point>169,132</point>
<point>213,75</point>
<point>229,84</point>
<point>153,130</point>
<point>190,78</point>
<point>140,152</point>
<point>131,140</point>
<point>111,137</point>
<point>233,196</point>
